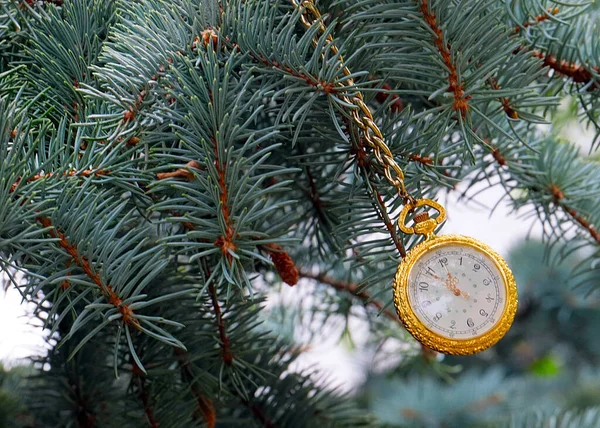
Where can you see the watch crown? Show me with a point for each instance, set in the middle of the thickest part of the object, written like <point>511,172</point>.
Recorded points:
<point>421,217</point>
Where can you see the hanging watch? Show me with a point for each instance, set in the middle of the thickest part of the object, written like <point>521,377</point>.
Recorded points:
<point>454,294</point>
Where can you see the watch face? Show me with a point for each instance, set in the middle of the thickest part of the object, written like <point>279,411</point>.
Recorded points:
<point>457,291</point>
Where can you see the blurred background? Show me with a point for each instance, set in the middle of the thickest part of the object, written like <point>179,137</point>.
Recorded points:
<point>547,361</point>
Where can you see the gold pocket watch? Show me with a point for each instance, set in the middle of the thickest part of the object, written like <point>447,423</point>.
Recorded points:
<point>453,293</point>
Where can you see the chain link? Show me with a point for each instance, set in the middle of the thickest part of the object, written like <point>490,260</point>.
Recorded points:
<point>361,116</point>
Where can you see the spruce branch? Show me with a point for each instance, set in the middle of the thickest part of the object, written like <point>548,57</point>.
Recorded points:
<point>205,409</point>
<point>461,99</point>
<point>582,221</point>
<point>396,104</point>
<point>352,289</point>
<point>537,19</point>
<point>224,339</point>
<point>506,106</point>
<point>576,72</point>
<point>361,157</point>
<point>126,312</point>
<point>557,195</point>
<point>71,173</point>
<point>144,395</point>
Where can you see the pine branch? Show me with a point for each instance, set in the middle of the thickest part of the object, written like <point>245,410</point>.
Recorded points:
<point>224,241</point>
<point>143,394</point>
<point>558,197</point>
<point>582,221</point>
<point>396,105</point>
<point>205,409</point>
<point>461,100</point>
<point>537,19</point>
<point>576,72</point>
<point>126,312</point>
<point>361,155</point>
<point>506,106</point>
<point>259,414</point>
<point>308,79</point>
<point>224,339</point>
<point>352,289</point>
<point>72,173</point>
<point>184,173</point>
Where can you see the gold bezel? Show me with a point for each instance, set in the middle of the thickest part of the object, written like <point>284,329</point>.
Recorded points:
<point>433,340</point>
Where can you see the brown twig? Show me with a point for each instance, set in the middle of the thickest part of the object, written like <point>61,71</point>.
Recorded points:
<point>321,85</point>
<point>143,394</point>
<point>184,173</point>
<point>578,73</point>
<point>315,197</point>
<point>86,418</point>
<point>351,288</point>
<point>205,409</point>
<point>538,19</point>
<point>423,160</point>
<point>506,106</point>
<point>225,342</point>
<point>132,111</point>
<point>225,241</point>
<point>558,196</point>
<point>361,155</point>
<point>391,228</point>
<point>396,105</point>
<point>460,103</point>
<point>71,249</point>
<point>259,414</point>
<point>84,173</point>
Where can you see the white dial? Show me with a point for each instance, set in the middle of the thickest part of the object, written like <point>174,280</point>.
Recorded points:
<point>457,291</point>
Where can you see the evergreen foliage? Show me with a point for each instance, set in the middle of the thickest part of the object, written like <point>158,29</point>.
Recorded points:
<point>159,159</point>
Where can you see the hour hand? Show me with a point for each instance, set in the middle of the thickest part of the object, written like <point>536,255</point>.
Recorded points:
<point>451,284</point>
<point>431,273</point>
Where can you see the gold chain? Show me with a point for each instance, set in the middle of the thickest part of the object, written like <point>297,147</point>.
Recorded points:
<point>361,116</point>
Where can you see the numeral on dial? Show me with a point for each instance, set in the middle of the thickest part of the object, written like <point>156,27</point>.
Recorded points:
<point>423,286</point>
<point>483,313</point>
<point>437,316</point>
<point>486,282</point>
<point>444,261</point>
<point>453,324</point>
<point>489,298</point>
<point>476,267</point>
<point>470,322</point>
<point>426,303</point>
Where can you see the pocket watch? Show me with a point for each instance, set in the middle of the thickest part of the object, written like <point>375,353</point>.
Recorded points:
<point>453,293</point>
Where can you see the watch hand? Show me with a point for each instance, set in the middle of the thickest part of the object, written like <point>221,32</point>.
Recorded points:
<point>451,285</point>
<point>435,276</point>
